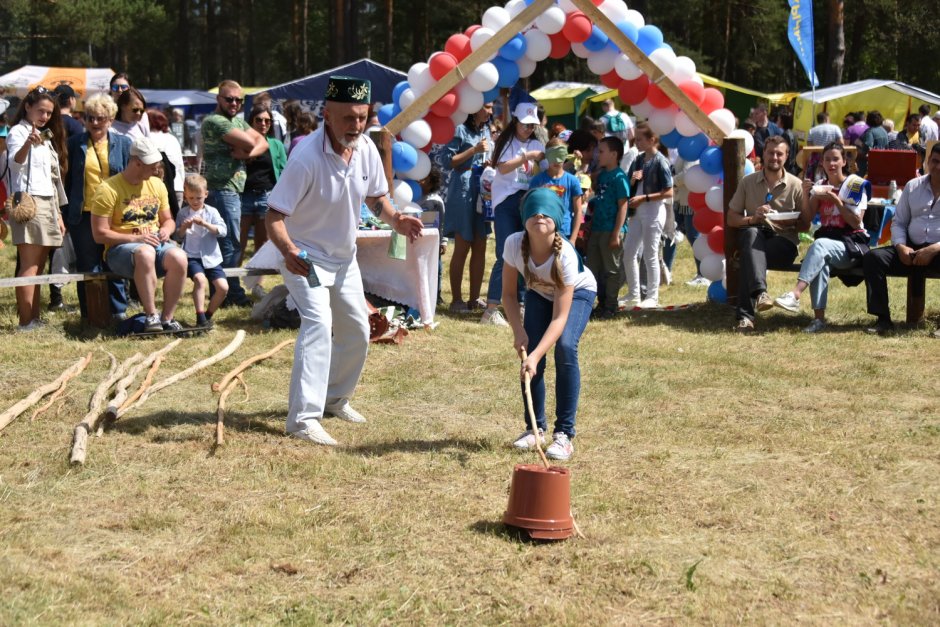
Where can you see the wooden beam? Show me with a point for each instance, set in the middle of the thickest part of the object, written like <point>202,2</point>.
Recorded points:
<point>465,67</point>
<point>76,277</point>
<point>732,154</point>
<point>652,70</point>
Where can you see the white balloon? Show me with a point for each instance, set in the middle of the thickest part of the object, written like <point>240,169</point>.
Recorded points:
<point>526,67</point>
<point>402,193</point>
<point>643,110</point>
<point>626,68</point>
<point>685,125</point>
<point>479,37</point>
<point>713,267</point>
<point>603,62</point>
<point>568,6</point>
<point>406,98</point>
<point>458,117</point>
<point>469,100</point>
<point>665,59</point>
<point>635,18</point>
<point>515,7</point>
<point>537,45</point>
<point>495,18</point>
<point>724,119</point>
<point>418,134</point>
<point>414,71</point>
<point>616,10</point>
<point>580,51</point>
<point>421,169</point>
<point>484,77</point>
<point>701,249</point>
<point>698,79</point>
<point>747,137</point>
<point>698,180</point>
<point>551,21</point>
<point>684,70</point>
<point>662,121</point>
<point>715,198</point>
<point>423,82</point>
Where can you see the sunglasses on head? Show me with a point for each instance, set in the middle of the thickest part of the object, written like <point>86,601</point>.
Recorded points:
<point>40,90</point>
<point>120,87</point>
<point>233,99</point>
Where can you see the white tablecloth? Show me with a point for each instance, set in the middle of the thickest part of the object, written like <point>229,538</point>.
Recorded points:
<point>412,281</point>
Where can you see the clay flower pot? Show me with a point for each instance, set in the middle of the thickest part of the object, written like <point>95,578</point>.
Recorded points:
<point>540,502</point>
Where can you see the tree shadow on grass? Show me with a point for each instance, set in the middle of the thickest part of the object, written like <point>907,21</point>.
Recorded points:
<point>458,446</point>
<point>234,421</point>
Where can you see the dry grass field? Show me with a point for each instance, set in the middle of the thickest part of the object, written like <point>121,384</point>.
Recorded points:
<point>718,479</point>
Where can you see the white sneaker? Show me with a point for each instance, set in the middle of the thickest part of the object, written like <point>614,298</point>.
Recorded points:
<point>526,441</point>
<point>698,281</point>
<point>346,413</point>
<point>32,325</point>
<point>788,301</point>
<point>649,303</point>
<point>561,449</point>
<point>493,317</point>
<point>626,303</point>
<point>815,326</point>
<point>315,433</point>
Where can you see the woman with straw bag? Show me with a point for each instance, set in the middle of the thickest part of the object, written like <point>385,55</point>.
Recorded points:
<point>37,159</point>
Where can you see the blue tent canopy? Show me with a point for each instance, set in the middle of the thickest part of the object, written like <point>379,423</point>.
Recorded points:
<point>191,102</point>
<point>309,90</point>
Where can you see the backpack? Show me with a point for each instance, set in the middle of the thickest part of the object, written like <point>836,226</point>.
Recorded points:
<point>615,123</point>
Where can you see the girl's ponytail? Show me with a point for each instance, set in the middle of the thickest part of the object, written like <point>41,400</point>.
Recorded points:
<point>557,273</point>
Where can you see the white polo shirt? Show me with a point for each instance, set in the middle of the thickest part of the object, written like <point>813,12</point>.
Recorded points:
<point>321,196</point>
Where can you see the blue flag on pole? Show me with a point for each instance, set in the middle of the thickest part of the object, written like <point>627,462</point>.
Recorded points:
<point>800,29</point>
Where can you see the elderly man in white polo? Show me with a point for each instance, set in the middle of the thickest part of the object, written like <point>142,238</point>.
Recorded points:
<point>313,218</point>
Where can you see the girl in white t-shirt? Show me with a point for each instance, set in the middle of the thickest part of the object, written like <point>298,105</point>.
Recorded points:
<point>558,300</point>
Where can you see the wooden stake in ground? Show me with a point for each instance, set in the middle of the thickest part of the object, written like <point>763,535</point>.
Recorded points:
<point>80,435</point>
<point>226,385</point>
<point>69,373</point>
<point>533,425</point>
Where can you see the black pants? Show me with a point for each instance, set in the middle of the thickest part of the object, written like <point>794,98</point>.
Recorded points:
<point>758,250</point>
<point>878,264</point>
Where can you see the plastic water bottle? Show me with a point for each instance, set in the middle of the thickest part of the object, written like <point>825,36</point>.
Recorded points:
<point>892,190</point>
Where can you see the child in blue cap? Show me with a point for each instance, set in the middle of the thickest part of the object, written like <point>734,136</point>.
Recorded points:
<point>560,294</point>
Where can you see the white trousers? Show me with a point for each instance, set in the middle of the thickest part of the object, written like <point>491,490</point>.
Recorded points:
<point>643,231</point>
<point>331,345</point>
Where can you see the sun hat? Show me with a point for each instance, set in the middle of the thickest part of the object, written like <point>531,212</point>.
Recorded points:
<point>526,113</point>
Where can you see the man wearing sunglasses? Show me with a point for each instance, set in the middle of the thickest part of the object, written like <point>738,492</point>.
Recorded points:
<point>764,242</point>
<point>227,142</point>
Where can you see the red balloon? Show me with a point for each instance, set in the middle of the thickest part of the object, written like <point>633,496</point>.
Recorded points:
<point>458,45</point>
<point>560,46</point>
<point>705,221</point>
<point>716,240</point>
<point>446,105</point>
<point>469,32</point>
<point>597,3</point>
<point>442,130</point>
<point>611,79</point>
<point>577,27</point>
<point>693,90</point>
<point>697,201</point>
<point>712,100</point>
<point>441,63</point>
<point>634,92</point>
<point>658,97</point>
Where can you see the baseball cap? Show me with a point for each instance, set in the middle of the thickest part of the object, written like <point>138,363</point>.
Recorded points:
<point>936,115</point>
<point>65,90</point>
<point>527,113</point>
<point>146,150</point>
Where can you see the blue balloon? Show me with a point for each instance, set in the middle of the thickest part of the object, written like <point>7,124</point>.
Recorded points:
<point>629,29</point>
<point>690,148</point>
<point>671,139</point>
<point>710,160</point>
<point>386,113</point>
<point>491,95</point>
<point>404,156</point>
<point>748,167</point>
<point>399,88</point>
<point>597,40</point>
<point>650,38</point>
<point>717,293</point>
<point>514,49</point>
<point>508,72</point>
<point>416,191</point>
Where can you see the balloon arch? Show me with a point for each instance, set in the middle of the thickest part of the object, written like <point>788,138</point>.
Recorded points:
<point>620,47</point>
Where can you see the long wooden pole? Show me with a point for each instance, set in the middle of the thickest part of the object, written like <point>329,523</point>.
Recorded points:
<point>732,154</point>
<point>72,371</point>
<point>465,67</point>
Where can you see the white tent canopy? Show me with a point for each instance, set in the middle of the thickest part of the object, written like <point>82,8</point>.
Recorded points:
<point>85,81</point>
<point>178,97</point>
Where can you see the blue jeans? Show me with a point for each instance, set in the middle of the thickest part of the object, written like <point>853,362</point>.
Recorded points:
<point>254,204</point>
<point>507,220</point>
<point>823,255</point>
<point>538,315</point>
<point>229,205</point>
<point>89,257</point>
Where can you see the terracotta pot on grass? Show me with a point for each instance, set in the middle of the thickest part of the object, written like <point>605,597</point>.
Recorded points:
<point>540,502</point>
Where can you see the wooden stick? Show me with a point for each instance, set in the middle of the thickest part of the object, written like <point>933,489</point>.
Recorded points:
<point>220,411</point>
<point>221,385</point>
<point>120,396</point>
<point>205,363</point>
<point>148,380</point>
<point>533,423</point>
<point>69,373</point>
<point>80,434</point>
<point>52,399</point>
